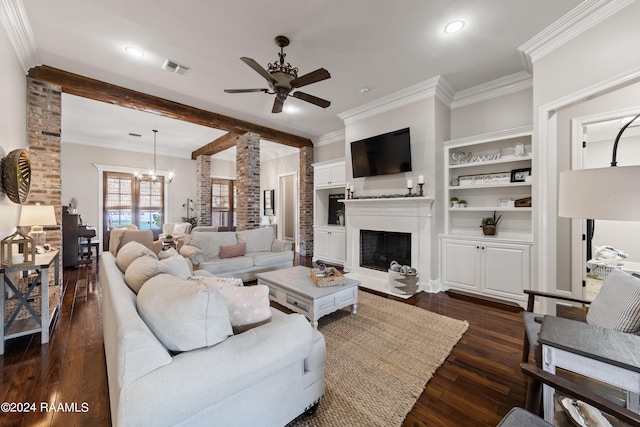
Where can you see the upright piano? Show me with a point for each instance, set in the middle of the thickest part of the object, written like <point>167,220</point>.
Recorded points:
<point>73,231</point>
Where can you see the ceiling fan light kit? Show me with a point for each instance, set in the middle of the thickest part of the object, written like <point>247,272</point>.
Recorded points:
<point>283,78</point>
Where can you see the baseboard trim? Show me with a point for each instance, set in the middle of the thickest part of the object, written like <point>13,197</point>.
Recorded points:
<point>485,300</point>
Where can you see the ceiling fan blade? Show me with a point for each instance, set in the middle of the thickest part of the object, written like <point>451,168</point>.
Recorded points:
<point>245,90</point>
<point>277,105</point>
<point>312,77</point>
<point>259,69</point>
<point>312,99</point>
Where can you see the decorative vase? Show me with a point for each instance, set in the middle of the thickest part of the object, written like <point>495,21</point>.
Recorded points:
<point>489,230</point>
<point>341,220</point>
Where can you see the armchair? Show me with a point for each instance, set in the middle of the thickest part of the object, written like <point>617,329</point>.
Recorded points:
<point>617,307</point>
<point>175,229</point>
<point>519,417</point>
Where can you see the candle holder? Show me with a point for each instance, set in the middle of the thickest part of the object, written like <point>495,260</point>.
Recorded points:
<point>409,188</point>
<point>421,192</point>
<point>351,192</point>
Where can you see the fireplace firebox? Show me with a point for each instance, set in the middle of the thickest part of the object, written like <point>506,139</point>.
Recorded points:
<point>379,248</point>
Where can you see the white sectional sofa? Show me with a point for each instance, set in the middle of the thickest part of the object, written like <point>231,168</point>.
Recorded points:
<point>266,376</point>
<point>221,254</point>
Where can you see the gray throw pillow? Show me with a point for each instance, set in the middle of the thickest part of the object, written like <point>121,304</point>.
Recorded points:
<point>617,305</point>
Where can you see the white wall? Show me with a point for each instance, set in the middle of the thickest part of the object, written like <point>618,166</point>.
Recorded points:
<point>562,80</point>
<point>13,124</point>
<point>505,112</point>
<point>269,172</point>
<point>326,152</point>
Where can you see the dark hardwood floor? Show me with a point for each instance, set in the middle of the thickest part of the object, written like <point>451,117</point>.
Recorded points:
<point>476,386</point>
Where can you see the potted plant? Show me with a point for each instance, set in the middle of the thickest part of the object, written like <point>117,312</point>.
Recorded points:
<point>463,203</point>
<point>168,237</point>
<point>340,213</point>
<point>455,202</point>
<point>489,224</point>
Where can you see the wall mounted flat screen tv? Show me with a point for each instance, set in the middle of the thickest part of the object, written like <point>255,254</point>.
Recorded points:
<point>384,154</point>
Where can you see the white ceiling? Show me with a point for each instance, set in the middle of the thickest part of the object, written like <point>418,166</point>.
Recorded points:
<point>382,45</point>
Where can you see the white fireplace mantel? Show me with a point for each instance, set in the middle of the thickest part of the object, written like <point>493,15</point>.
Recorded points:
<point>399,214</point>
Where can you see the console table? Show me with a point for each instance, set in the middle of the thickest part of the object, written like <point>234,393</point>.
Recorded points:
<point>37,323</point>
<point>603,354</point>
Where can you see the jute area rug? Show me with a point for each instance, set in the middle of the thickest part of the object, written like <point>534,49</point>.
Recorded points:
<point>379,361</point>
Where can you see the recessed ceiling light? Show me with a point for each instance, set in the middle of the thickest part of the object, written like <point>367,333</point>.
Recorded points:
<point>133,51</point>
<point>364,90</point>
<point>290,109</point>
<point>454,27</point>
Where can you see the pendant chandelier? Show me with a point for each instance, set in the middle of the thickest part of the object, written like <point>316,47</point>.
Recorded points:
<point>152,173</point>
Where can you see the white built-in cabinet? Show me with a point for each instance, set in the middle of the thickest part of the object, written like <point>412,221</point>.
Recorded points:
<point>488,172</point>
<point>329,237</point>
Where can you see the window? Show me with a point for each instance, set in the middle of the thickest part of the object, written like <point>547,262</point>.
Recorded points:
<point>223,203</point>
<point>129,201</point>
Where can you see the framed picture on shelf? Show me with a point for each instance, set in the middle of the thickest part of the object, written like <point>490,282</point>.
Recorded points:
<point>520,175</point>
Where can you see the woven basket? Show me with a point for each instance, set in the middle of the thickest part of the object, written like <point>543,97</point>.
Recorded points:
<point>16,175</point>
<point>602,271</point>
<point>35,301</point>
<point>404,284</point>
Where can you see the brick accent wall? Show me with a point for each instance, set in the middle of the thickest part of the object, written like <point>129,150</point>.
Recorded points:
<point>248,181</point>
<point>44,103</point>
<point>203,190</point>
<point>44,106</point>
<point>306,201</point>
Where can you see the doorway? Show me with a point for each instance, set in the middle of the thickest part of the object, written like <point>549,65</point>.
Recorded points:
<point>598,134</point>
<point>288,207</point>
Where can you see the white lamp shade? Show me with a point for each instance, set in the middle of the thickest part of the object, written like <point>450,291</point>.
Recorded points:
<point>611,193</point>
<point>37,215</point>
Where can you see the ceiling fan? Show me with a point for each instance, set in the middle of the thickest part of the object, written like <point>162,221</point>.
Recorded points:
<point>283,78</point>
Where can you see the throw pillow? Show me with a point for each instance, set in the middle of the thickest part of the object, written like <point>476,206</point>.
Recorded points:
<point>248,306</point>
<point>184,314</point>
<point>130,252</point>
<point>232,251</point>
<point>180,229</point>
<point>168,253</point>
<point>210,242</point>
<point>143,269</point>
<point>617,305</point>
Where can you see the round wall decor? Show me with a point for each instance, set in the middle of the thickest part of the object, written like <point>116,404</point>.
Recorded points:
<point>16,175</point>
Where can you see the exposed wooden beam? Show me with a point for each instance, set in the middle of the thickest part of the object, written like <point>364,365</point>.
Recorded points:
<point>227,140</point>
<point>86,87</point>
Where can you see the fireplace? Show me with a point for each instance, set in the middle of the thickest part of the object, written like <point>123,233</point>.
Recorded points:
<point>402,227</point>
<point>379,248</point>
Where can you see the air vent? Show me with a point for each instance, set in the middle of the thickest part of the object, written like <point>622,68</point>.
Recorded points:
<point>174,67</point>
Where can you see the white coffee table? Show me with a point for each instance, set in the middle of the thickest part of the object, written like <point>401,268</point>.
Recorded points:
<point>294,289</point>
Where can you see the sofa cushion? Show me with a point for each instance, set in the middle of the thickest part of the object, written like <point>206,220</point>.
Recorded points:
<point>617,305</point>
<point>180,229</point>
<point>232,251</point>
<point>130,252</point>
<point>266,259</point>
<point>257,239</point>
<point>210,242</point>
<point>168,253</point>
<point>218,266</point>
<point>184,314</point>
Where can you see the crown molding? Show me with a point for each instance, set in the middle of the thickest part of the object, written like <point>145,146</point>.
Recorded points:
<point>329,138</point>
<point>15,21</point>
<point>583,17</point>
<point>434,87</point>
<point>483,92</point>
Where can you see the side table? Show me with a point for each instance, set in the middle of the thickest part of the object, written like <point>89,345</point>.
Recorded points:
<point>37,323</point>
<point>167,244</point>
<point>603,354</point>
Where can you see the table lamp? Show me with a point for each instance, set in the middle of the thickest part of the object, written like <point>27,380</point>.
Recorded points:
<point>37,216</point>
<point>601,193</point>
